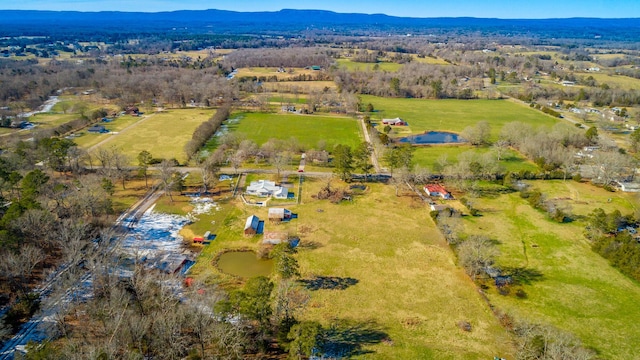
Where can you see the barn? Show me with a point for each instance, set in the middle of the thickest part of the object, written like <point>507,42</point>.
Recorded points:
<point>252,226</point>
<point>279,214</point>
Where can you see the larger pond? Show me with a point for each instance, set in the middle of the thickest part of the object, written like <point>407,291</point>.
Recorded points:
<point>244,264</point>
<point>433,137</point>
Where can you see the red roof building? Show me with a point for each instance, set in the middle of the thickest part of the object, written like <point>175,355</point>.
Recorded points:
<point>437,190</point>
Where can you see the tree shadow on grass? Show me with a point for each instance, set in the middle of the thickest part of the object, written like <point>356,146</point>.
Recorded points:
<point>522,275</point>
<point>328,283</point>
<point>346,338</point>
<point>309,245</point>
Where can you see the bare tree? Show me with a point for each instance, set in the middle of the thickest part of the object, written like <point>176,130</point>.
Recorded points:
<point>500,147</point>
<point>476,253</point>
<point>280,160</point>
<point>167,177</point>
<point>478,134</point>
<point>611,166</point>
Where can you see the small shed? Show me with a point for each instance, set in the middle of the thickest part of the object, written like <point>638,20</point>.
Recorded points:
<point>198,239</point>
<point>279,214</point>
<point>252,225</point>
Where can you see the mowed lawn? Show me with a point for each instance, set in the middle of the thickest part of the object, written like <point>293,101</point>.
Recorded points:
<point>164,134</point>
<point>455,115</point>
<point>307,129</point>
<point>403,286</point>
<point>571,287</point>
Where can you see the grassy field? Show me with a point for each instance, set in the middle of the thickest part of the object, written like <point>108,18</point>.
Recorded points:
<point>427,156</point>
<point>570,286</point>
<point>163,134</point>
<point>404,285</point>
<point>271,71</point>
<point>430,60</point>
<point>303,87</point>
<point>454,115</point>
<point>278,99</point>
<point>360,66</point>
<point>307,129</point>
<point>87,140</point>
<point>614,81</point>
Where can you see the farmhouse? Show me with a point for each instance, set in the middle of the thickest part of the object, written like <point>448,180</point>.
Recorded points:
<point>279,214</point>
<point>437,190</point>
<point>274,237</point>
<point>132,110</point>
<point>97,129</point>
<point>252,226</point>
<point>264,188</point>
<point>628,186</point>
<point>397,121</point>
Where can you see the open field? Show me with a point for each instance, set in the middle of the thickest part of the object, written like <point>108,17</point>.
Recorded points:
<point>307,129</point>
<point>52,119</point>
<point>303,87</point>
<point>271,71</point>
<point>454,115</point>
<point>614,81</point>
<point>427,156</point>
<point>163,134</point>
<point>403,281</point>
<point>582,198</point>
<point>87,140</point>
<point>429,60</point>
<point>278,99</point>
<point>567,285</point>
<point>360,66</point>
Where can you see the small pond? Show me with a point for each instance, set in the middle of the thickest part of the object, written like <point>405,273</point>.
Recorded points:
<point>433,137</point>
<point>244,264</point>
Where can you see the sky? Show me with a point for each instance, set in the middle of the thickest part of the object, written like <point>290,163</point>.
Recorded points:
<point>506,9</point>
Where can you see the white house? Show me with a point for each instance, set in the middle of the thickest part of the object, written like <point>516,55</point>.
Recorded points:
<point>397,121</point>
<point>265,188</point>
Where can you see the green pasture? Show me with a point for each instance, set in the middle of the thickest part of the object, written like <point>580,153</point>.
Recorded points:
<point>427,156</point>
<point>614,81</point>
<point>582,197</point>
<point>52,119</point>
<point>360,66</point>
<point>455,115</point>
<point>87,140</point>
<point>566,284</point>
<point>307,129</point>
<point>164,134</point>
<point>298,87</point>
<point>288,99</point>
<point>430,60</point>
<point>404,285</point>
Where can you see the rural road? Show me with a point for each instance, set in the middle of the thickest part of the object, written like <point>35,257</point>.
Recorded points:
<point>367,138</point>
<point>35,328</point>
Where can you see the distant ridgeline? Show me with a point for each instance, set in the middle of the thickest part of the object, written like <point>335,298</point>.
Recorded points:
<point>107,24</point>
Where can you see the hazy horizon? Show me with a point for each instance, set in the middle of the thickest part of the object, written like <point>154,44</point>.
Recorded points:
<point>543,9</point>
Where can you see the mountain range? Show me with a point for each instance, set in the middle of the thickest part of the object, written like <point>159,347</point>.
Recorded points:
<point>203,21</point>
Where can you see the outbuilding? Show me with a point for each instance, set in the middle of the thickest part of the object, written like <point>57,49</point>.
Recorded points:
<point>279,214</point>
<point>252,226</point>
